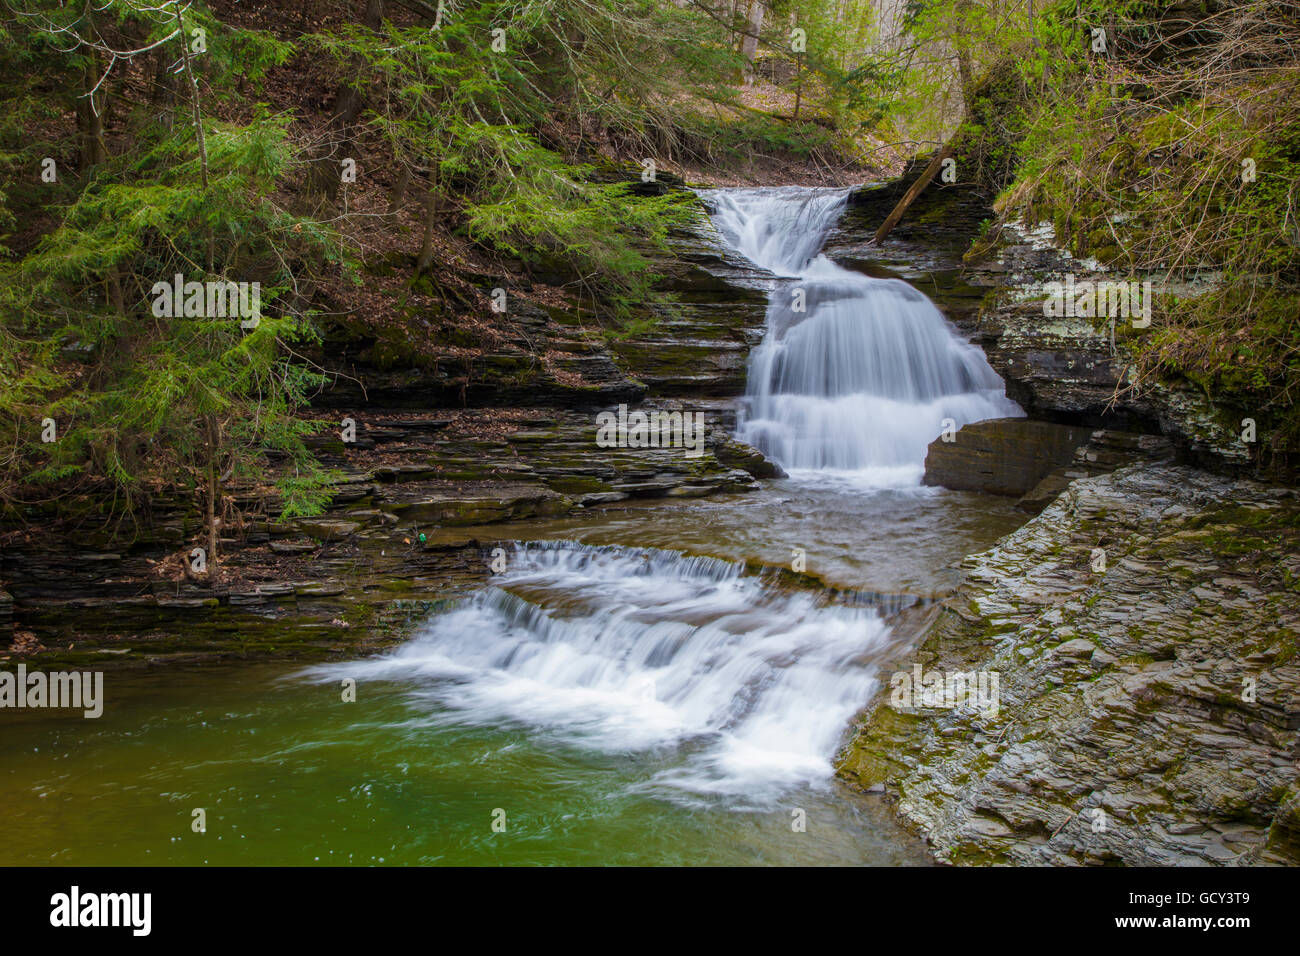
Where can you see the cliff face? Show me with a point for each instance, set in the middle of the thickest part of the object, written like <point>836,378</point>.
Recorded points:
<point>1067,370</point>
<point>418,494</point>
<point>1078,370</point>
<point>482,426</point>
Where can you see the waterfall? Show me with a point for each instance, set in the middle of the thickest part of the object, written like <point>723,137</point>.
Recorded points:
<point>854,374</point>
<point>733,688</point>
<point>723,685</point>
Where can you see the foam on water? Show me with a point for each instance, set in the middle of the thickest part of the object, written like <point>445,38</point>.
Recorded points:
<point>746,689</point>
<point>861,379</point>
<point>730,687</point>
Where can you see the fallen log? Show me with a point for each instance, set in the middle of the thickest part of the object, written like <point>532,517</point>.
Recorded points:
<point>910,196</point>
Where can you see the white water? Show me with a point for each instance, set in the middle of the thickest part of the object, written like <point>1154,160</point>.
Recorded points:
<point>741,691</point>
<point>720,685</point>
<point>862,379</point>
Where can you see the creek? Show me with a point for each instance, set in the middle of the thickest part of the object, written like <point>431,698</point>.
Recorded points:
<point>639,685</point>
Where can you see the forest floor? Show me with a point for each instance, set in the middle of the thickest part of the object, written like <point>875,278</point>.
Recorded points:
<point>416,334</point>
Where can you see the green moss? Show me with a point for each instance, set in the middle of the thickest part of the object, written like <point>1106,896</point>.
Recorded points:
<point>1082,162</point>
<point>576,486</point>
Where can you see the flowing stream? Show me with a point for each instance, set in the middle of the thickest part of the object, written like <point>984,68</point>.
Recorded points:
<point>855,374</point>
<point>609,696</point>
<point>626,651</point>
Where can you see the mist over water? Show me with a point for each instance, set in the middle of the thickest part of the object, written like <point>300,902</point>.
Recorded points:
<point>855,374</point>
<point>716,685</point>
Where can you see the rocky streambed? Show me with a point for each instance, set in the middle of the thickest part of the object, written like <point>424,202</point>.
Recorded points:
<point>1145,628</point>
<point>1142,620</point>
<point>458,437</point>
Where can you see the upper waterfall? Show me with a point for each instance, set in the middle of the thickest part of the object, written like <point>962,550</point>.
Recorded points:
<point>854,374</point>
<point>779,229</point>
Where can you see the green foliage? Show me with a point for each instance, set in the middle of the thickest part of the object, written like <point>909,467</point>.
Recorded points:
<point>139,398</point>
<point>550,208</point>
<point>1134,155</point>
<point>475,118</point>
<point>764,133</point>
<point>1142,167</point>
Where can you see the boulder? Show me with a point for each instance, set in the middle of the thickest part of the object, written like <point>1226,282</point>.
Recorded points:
<point>1002,456</point>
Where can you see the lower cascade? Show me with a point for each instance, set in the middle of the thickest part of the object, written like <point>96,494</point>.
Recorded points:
<point>747,687</point>
<point>728,686</point>
<point>854,374</point>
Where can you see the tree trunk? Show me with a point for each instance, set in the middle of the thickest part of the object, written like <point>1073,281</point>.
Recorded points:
<point>91,150</point>
<point>430,221</point>
<point>115,295</point>
<point>749,45</point>
<point>194,101</point>
<point>965,68</point>
<point>348,104</point>
<point>163,93</point>
<point>798,84</point>
<point>399,189</point>
<point>213,534</point>
<point>213,496</point>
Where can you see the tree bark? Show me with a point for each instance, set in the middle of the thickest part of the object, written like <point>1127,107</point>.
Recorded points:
<point>399,189</point>
<point>910,196</point>
<point>91,150</point>
<point>749,45</point>
<point>430,222</point>
<point>194,100</point>
<point>213,495</point>
<point>348,104</point>
<point>163,93</point>
<point>965,68</point>
<point>798,84</point>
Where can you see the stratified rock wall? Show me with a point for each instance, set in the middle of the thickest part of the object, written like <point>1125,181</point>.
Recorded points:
<point>1077,370</point>
<point>1062,369</point>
